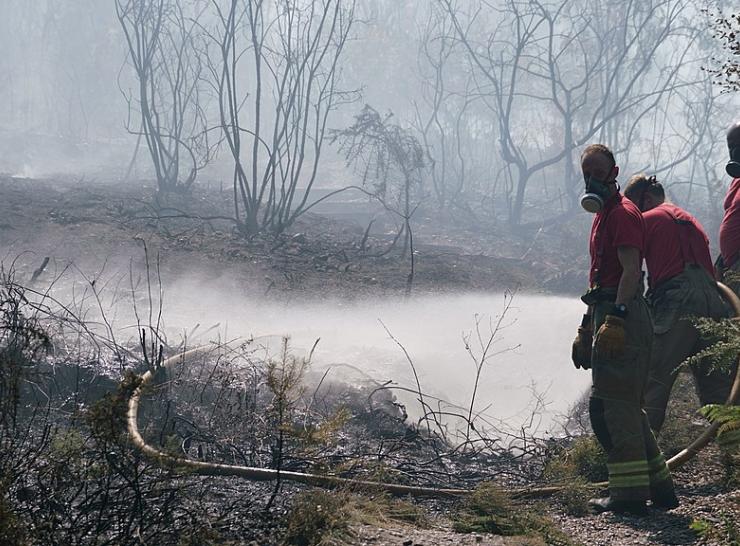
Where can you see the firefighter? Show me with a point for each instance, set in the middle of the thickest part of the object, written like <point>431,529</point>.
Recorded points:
<point>681,285</point>
<point>618,353</point>
<point>729,230</point>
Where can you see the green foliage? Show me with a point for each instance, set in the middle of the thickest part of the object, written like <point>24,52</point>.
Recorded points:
<point>379,508</point>
<point>490,510</point>
<point>583,460</point>
<point>724,335</point>
<point>728,418</point>
<point>107,416</point>
<point>285,378</point>
<point>65,463</point>
<point>318,518</point>
<point>374,470</point>
<point>324,517</point>
<point>326,432</point>
<point>722,355</point>
<point>574,497</point>
<point>725,532</point>
<point>285,382</point>
<point>66,446</point>
<point>11,530</point>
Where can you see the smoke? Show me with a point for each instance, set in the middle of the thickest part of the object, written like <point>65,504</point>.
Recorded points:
<point>531,351</point>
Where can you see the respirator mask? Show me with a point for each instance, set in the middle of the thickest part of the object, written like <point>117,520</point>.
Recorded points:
<point>733,167</point>
<point>597,192</point>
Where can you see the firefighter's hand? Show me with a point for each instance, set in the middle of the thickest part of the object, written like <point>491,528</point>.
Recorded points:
<point>610,338</point>
<point>581,351</point>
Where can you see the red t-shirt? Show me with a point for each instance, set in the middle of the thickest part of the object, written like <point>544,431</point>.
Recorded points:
<point>729,229</point>
<point>670,245</point>
<point>619,223</point>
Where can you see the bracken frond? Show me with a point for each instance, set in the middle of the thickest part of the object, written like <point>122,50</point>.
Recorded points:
<point>728,417</point>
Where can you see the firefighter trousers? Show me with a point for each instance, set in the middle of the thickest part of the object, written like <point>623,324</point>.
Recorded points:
<point>637,468</point>
<point>692,293</point>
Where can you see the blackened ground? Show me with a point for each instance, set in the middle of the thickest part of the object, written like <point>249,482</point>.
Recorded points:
<point>90,223</point>
<point>95,224</point>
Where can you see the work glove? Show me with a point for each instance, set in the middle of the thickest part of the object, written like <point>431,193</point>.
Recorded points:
<point>610,338</point>
<point>581,351</point>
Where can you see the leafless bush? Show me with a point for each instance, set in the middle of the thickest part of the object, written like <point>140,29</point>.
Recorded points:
<point>68,474</point>
<point>392,162</point>
<point>161,36</point>
<point>71,476</point>
<point>276,64</point>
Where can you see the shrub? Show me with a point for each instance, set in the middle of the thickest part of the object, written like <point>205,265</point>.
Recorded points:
<point>725,531</point>
<point>318,518</point>
<point>490,510</point>
<point>584,459</point>
<point>681,426</point>
<point>11,530</point>
<point>574,497</point>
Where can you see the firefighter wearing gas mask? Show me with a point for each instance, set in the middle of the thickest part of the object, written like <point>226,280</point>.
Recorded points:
<point>728,264</point>
<point>614,341</point>
<point>681,286</point>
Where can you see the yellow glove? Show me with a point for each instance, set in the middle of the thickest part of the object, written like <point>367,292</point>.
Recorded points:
<point>610,338</point>
<point>581,351</point>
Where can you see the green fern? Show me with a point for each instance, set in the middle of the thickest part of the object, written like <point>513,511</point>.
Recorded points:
<point>728,418</point>
<point>724,335</point>
<point>722,354</point>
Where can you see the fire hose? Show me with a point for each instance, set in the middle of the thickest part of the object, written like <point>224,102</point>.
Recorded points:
<point>263,474</point>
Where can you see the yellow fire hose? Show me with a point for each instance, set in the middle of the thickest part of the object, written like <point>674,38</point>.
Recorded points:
<point>263,474</point>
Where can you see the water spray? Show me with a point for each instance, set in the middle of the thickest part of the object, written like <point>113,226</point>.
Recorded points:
<point>263,474</point>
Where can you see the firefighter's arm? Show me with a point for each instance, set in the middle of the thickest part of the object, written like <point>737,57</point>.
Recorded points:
<point>610,339</point>
<point>629,283</point>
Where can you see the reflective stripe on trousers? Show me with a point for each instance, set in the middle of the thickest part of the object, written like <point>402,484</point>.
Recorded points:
<point>634,460</point>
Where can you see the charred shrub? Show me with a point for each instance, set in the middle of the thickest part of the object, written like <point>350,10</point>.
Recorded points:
<point>11,531</point>
<point>23,341</point>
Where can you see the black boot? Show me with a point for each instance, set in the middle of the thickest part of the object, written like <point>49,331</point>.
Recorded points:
<point>608,504</point>
<point>664,500</point>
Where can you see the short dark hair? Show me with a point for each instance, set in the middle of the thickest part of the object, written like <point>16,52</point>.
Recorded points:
<point>599,149</point>
<point>733,135</point>
<point>641,183</point>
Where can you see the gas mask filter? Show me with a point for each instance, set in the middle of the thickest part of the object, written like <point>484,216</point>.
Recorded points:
<point>592,202</point>
<point>596,193</point>
<point>733,167</point>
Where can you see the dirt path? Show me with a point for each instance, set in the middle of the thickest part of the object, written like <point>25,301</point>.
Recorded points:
<point>398,535</point>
